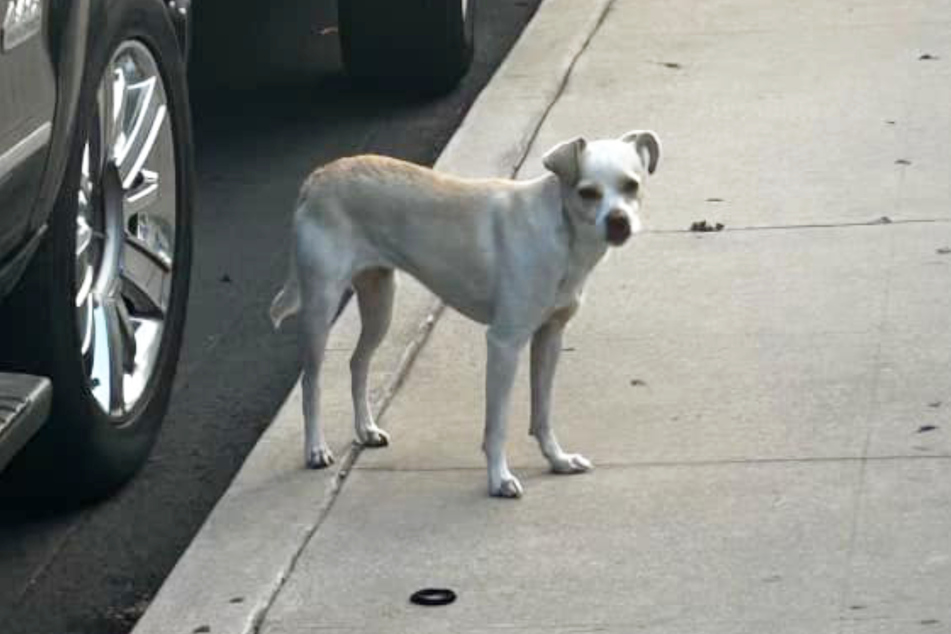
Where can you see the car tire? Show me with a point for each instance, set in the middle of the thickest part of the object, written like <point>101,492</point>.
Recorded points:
<point>419,44</point>
<point>123,218</point>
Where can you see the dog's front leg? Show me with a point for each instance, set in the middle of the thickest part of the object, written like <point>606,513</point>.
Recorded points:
<point>503,354</point>
<point>546,348</point>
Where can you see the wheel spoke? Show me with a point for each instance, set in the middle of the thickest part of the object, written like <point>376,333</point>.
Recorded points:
<point>84,235</point>
<point>146,279</point>
<point>88,274</point>
<point>145,123</point>
<point>148,336</point>
<point>85,180</point>
<point>142,195</point>
<point>86,324</point>
<point>112,100</point>
<point>107,361</point>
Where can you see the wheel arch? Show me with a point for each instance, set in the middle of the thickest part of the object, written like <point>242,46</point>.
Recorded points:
<point>69,44</point>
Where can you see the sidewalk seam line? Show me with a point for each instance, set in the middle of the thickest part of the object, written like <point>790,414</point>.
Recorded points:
<point>817,225</point>
<point>605,466</point>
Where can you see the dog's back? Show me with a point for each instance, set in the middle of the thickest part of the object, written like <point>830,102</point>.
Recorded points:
<point>395,214</point>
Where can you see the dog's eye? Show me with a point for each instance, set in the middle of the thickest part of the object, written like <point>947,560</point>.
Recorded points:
<point>589,193</point>
<point>629,187</point>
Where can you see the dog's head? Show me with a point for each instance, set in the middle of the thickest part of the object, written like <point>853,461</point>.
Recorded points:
<point>602,181</point>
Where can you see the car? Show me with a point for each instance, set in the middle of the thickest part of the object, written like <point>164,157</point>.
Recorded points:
<point>96,197</point>
<point>97,191</point>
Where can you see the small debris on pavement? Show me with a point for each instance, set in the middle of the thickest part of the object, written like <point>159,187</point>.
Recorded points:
<point>884,220</point>
<point>890,121</point>
<point>934,404</point>
<point>902,162</point>
<point>128,614</point>
<point>943,251</point>
<point>638,383</point>
<point>772,578</point>
<point>673,65</point>
<point>568,349</point>
<point>236,600</point>
<point>225,279</point>
<point>433,596</point>
<point>927,428</point>
<point>201,629</point>
<point>929,621</point>
<point>857,606</point>
<point>715,200</point>
<point>927,57</point>
<point>702,226</point>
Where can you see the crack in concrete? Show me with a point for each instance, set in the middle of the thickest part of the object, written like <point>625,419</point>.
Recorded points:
<point>649,464</point>
<point>846,595</point>
<point>814,225</point>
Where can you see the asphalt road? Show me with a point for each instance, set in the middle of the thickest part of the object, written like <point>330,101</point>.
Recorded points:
<point>94,571</point>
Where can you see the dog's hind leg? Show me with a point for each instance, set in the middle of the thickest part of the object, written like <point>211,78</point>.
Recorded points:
<point>319,303</point>
<point>375,289</point>
<point>546,348</point>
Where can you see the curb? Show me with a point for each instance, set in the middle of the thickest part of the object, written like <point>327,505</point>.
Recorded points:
<point>248,546</point>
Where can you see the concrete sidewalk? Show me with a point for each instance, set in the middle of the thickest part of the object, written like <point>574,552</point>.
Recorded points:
<point>768,407</point>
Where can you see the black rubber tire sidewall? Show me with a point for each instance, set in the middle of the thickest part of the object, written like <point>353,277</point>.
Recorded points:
<point>423,45</point>
<point>81,453</point>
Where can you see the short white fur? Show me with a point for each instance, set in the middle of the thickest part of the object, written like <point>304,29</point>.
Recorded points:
<point>511,254</point>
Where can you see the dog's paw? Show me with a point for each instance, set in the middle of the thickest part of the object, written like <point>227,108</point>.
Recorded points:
<point>319,458</point>
<point>571,463</point>
<point>508,487</point>
<point>373,437</point>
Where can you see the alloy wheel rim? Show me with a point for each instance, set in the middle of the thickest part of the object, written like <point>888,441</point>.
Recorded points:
<point>125,230</point>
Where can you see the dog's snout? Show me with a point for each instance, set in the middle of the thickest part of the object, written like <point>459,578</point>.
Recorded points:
<point>617,227</point>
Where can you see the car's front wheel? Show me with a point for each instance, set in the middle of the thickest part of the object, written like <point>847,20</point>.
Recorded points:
<point>102,308</point>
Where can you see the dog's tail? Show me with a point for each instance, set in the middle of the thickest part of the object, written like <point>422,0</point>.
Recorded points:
<point>287,300</point>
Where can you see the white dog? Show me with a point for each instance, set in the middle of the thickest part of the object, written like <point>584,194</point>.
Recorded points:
<point>510,254</point>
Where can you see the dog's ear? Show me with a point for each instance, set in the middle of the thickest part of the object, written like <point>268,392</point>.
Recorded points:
<point>647,146</point>
<point>563,160</point>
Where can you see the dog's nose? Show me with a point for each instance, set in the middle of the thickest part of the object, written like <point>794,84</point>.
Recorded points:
<point>618,227</point>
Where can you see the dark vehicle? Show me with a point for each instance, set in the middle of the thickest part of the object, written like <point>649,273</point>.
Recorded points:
<point>96,190</point>
<point>96,197</point>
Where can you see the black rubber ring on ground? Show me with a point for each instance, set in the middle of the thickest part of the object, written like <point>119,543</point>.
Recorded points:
<point>433,596</point>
